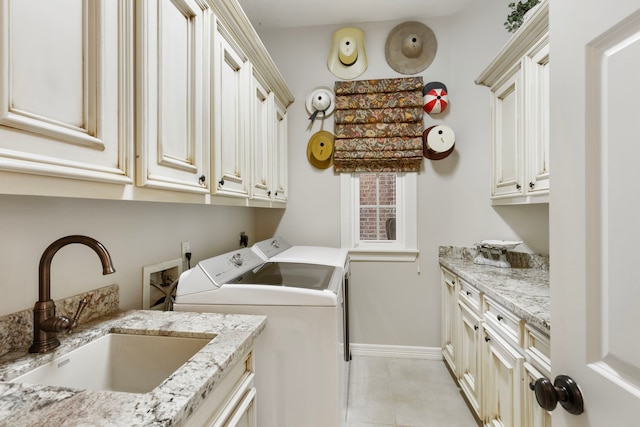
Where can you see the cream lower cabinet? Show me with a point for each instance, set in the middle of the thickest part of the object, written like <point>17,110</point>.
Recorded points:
<point>494,356</point>
<point>469,360</point>
<point>233,402</point>
<point>449,325</point>
<point>502,369</point>
<point>66,72</point>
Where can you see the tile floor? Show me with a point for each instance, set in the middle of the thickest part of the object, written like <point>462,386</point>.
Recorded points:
<point>396,392</point>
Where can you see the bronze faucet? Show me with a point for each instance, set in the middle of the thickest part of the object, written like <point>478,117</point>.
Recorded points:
<point>46,324</point>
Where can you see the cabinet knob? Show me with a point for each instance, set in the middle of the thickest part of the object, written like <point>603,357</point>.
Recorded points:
<point>221,182</point>
<point>532,184</point>
<point>202,179</point>
<point>468,293</point>
<point>269,193</point>
<point>500,318</point>
<point>487,339</point>
<point>476,327</point>
<point>518,186</point>
<point>564,390</point>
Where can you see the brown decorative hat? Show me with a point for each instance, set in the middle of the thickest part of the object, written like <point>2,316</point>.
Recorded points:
<point>320,149</point>
<point>438,142</point>
<point>410,47</point>
<point>347,57</point>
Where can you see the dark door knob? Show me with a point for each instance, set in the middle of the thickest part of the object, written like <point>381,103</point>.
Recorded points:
<point>564,390</point>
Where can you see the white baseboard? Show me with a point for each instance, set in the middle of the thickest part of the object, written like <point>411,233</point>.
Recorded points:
<point>409,352</point>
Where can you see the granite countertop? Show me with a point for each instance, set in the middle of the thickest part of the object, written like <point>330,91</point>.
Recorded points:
<point>524,291</point>
<point>169,404</point>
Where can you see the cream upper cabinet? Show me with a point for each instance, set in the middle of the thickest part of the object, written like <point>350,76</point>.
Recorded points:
<point>144,100</point>
<point>280,164</point>
<point>519,81</point>
<point>172,140</point>
<point>65,98</point>
<point>231,123</point>
<point>262,142</point>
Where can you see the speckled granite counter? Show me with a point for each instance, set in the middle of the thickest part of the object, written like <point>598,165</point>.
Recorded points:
<point>524,291</point>
<point>169,404</point>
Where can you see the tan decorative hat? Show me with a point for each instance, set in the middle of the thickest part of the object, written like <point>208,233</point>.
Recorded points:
<point>347,57</point>
<point>320,149</point>
<point>410,47</point>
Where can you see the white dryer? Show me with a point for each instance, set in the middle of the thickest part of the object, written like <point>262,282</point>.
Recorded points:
<point>301,361</point>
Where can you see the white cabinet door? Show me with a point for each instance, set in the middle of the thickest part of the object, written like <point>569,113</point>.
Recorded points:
<point>537,155</point>
<point>532,414</point>
<point>502,381</point>
<point>173,44</point>
<point>448,335</point>
<point>281,160</point>
<point>231,117</point>
<point>506,107</point>
<point>469,360</point>
<point>262,142</point>
<point>65,77</point>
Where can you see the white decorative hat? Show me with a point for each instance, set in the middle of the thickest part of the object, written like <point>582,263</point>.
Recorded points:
<point>347,57</point>
<point>320,101</point>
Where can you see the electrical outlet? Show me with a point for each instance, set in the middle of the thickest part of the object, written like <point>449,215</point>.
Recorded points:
<point>186,247</point>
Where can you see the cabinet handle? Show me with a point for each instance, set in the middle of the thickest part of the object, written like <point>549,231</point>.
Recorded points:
<point>468,293</point>
<point>487,339</point>
<point>475,327</point>
<point>269,193</point>
<point>500,318</point>
<point>221,182</point>
<point>202,179</point>
<point>531,185</point>
<point>518,186</point>
<point>453,282</point>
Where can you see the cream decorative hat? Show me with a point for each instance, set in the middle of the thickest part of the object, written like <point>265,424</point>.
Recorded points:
<point>347,57</point>
<point>410,47</point>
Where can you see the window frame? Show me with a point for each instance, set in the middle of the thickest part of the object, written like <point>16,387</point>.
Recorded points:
<point>405,246</point>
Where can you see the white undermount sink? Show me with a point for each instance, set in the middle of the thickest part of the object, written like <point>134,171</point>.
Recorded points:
<point>117,362</point>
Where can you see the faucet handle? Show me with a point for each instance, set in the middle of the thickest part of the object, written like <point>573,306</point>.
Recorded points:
<point>83,304</point>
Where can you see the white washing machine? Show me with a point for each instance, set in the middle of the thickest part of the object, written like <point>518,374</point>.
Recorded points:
<point>302,356</point>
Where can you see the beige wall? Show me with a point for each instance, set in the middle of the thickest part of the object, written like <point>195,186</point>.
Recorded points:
<point>399,303</point>
<point>135,234</point>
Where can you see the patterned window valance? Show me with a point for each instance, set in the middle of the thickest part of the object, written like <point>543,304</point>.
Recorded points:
<point>378,125</point>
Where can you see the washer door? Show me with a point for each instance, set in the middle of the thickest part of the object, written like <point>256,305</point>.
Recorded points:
<point>289,274</point>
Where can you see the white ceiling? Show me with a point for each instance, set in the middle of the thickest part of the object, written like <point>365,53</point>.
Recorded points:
<point>303,13</point>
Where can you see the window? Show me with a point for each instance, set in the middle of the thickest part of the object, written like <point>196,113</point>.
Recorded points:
<point>379,215</point>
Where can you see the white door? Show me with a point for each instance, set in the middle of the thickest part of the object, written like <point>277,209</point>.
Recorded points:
<point>595,207</point>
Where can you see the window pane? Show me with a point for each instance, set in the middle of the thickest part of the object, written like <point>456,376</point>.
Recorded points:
<point>377,206</point>
<point>368,224</point>
<point>388,189</point>
<point>388,224</point>
<point>368,189</point>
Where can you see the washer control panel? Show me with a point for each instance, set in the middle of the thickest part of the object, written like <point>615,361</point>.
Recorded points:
<point>226,267</point>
